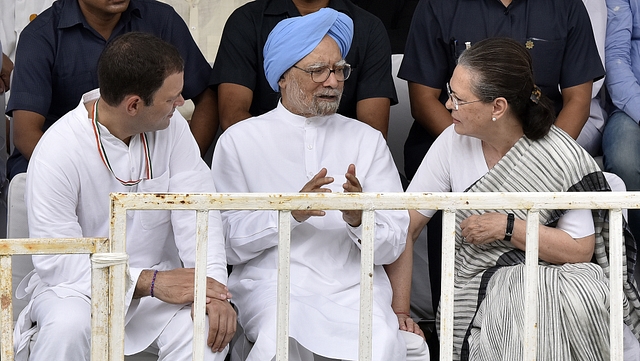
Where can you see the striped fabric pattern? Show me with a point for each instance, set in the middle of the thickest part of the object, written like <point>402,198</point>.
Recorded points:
<point>489,279</point>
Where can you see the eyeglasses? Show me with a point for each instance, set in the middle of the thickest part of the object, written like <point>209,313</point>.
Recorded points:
<point>457,102</point>
<point>321,75</point>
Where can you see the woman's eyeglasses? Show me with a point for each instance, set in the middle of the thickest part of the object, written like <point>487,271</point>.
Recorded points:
<point>457,102</point>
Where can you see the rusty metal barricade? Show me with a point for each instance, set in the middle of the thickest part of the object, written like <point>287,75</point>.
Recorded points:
<point>369,202</point>
<point>98,248</point>
<point>108,283</point>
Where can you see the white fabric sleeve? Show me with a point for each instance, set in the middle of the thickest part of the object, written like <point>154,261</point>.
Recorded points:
<point>51,205</point>
<point>433,175</point>
<point>578,223</point>
<point>381,175</point>
<point>247,233</point>
<point>190,174</point>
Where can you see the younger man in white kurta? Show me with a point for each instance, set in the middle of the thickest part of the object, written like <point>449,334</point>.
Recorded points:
<point>73,169</point>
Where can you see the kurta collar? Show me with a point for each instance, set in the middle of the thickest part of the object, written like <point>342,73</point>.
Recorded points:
<point>71,14</point>
<point>90,96</point>
<point>279,7</point>
<point>107,137</point>
<point>298,120</point>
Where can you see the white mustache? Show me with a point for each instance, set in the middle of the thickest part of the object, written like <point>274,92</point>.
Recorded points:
<point>329,93</point>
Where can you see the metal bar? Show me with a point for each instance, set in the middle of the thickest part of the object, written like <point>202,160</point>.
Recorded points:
<point>200,292</point>
<point>365,344</point>
<point>445,201</point>
<point>6,314</point>
<point>117,276</point>
<point>100,307</point>
<point>48,245</point>
<point>447,290</point>
<point>284,285</point>
<point>390,201</point>
<point>602,200</point>
<point>531,287</point>
<point>616,242</point>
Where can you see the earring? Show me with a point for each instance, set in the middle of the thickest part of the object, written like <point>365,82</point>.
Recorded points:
<point>494,119</point>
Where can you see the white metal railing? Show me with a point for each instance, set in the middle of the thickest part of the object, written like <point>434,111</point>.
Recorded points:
<point>108,283</point>
<point>97,247</point>
<point>369,202</point>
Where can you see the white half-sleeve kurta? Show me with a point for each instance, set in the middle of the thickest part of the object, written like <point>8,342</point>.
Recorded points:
<point>454,162</point>
<point>281,152</point>
<point>67,195</point>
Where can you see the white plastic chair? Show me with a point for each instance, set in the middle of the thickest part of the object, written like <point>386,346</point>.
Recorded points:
<point>400,119</point>
<point>17,227</point>
<point>617,185</point>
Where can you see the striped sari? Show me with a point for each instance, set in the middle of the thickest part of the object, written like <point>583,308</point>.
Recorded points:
<point>573,313</point>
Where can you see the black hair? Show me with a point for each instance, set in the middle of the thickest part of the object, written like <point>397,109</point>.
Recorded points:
<point>136,64</point>
<point>502,67</point>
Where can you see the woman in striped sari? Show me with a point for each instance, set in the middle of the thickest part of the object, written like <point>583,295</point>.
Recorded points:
<point>503,140</point>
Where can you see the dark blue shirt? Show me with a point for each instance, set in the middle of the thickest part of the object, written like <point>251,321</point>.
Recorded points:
<point>558,34</point>
<point>57,58</point>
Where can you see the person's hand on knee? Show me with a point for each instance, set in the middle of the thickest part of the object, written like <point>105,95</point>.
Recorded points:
<point>406,323</point>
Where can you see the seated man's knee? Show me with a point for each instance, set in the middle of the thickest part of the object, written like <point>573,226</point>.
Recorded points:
<point>64,318</point>
<point>64,327</point>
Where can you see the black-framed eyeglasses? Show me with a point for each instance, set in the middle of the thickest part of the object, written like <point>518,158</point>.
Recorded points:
<point>457,102</point>
<point>321,75</point>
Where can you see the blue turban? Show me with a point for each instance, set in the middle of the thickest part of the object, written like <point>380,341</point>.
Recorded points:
<point>294,38</point>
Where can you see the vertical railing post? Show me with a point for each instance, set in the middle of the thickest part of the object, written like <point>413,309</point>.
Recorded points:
<point>531,287</point>
<point>616,242</point>
<point>200,292</point>
<point>447,290</point>
<point>284,285</point>
<point>365,344</point>
<point>100,300</point>
<point>117,279</point>
<point>6,314</point>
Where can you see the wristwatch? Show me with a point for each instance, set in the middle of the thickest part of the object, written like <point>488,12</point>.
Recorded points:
<point>509,231</point>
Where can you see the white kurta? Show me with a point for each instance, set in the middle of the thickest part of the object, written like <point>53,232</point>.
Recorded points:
<point>454,162</point>
<point>281,152</point>
<point>67,195</point>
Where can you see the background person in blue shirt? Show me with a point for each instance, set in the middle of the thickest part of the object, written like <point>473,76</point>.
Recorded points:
<point>621,137</point>
<point>57,57</point>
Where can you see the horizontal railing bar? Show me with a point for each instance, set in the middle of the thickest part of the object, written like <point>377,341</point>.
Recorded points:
<point>31,246</point>
<point>373,201</point>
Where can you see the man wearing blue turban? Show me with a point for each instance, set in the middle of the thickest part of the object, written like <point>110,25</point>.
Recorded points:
<point>294,38</point>
<point>243,88</point>
<point>303,145</point>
